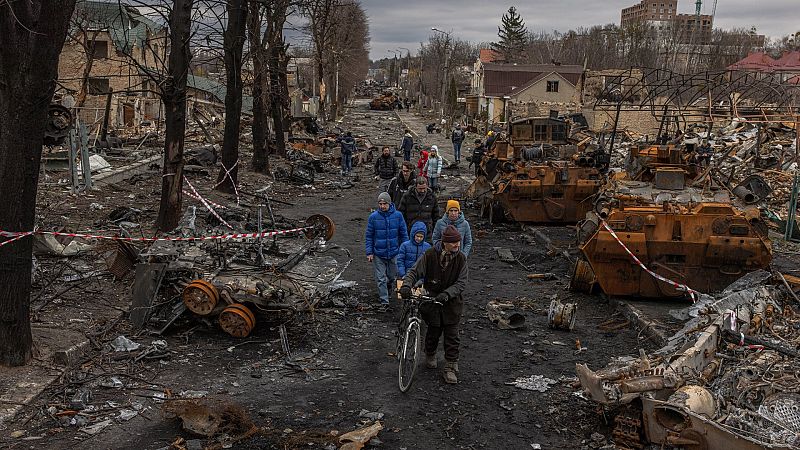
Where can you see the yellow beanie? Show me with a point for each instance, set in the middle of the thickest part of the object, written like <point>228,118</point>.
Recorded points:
<point>453,204</point>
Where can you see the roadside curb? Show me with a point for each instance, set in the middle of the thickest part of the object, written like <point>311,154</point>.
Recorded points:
<point>649,327</point>
<point>405,125</point>
<point>124,172</point>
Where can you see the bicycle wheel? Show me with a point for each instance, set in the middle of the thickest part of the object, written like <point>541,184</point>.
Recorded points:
<point>410,356</point>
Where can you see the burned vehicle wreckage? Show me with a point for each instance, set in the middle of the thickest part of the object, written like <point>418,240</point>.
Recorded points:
<point>272,274</point>
<point>534,174</point>
<point>654,231</point>
<point>728,379</point>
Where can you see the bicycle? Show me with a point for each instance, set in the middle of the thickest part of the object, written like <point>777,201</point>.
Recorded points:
<point>409,341</point>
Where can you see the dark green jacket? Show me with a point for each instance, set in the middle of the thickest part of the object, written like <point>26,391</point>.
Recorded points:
<point>452,280</point>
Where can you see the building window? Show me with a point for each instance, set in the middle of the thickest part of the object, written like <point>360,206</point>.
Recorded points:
<point>98,86</point>
<point>559,132</point>
<point>100,50</point>
<point>552,86</point>
<point>540,132</point>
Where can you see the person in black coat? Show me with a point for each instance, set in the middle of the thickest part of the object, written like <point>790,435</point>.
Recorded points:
<point>348,148</point>
<point>420,204</point>
<point>385,169</point>
<point>407,145</point>
<point>477,155</point>
<point>405,180</point>
<point>444,271</point>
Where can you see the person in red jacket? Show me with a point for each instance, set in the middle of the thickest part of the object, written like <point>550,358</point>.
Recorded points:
<point>422,162</point>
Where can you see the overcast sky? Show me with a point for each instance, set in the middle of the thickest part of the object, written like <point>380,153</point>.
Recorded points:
<point>406,23</point>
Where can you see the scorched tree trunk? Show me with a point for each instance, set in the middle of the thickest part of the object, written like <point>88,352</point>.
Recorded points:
<point>260,148</point>
<point>233,43</point>
<point>174,98</point>
<point>31,37</point>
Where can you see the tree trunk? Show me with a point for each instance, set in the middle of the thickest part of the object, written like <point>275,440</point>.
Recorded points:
<point>88,51</point>
<point>33,35</point>
<point>84,91</point>
<point>174,97</point>
<point>233,43</point>
<point>260,149</point>
<point>276,103</point>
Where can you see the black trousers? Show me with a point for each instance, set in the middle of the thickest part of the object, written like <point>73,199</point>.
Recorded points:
<point>451,341</point>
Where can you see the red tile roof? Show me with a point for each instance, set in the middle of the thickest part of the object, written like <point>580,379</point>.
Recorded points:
<point>790,61</point>
<point>754,61</point>
<point>488,55</point>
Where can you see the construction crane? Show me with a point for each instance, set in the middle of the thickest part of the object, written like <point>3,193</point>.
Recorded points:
<point>697,5</point>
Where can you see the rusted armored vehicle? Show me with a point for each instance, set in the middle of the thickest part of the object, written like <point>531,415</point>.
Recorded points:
<point>384,102</point>
<point>534,175</point>
<point>703,238</point>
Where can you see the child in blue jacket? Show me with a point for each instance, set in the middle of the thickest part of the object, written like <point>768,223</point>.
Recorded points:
<point>412,249</point>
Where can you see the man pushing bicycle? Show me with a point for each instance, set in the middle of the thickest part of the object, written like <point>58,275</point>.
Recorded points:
<point>443,269</point>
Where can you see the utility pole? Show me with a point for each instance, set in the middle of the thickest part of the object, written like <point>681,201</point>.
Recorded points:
<point>408,69</point>
<point>446,65</point>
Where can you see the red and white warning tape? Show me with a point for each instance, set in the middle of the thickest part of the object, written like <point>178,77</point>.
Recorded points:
<point>675,284</point>
<point>205,203</point>
<point>21,234</point>
<point>18,236</point>
<point>196,197</point>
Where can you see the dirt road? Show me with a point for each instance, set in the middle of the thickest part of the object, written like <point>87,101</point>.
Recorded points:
<point>343,365</point>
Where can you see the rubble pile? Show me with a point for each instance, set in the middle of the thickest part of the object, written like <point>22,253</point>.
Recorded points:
<point>232,280</point>
<point>728,379</point>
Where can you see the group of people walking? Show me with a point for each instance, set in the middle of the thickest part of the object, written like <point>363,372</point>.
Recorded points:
<point>410,242</point>
<point>396,243</point>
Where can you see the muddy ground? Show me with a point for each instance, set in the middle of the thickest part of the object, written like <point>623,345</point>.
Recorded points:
<point>343,364</point>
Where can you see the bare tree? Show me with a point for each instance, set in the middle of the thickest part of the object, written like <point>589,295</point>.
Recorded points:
<point>84,34</point>
<point>276,13</point>
<point>33,33</point>
<point>431,54</point>
<point>348,59</point>
<point>173,94</point>
<point>258,52</point>
<point>321,23</point>
<point>234,38</point>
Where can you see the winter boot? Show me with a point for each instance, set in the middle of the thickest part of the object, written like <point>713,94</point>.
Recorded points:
<point>449,372</point>
<point>430,361</point>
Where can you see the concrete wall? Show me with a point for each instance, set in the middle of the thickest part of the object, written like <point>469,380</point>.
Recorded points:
<point>537,92</point>
<point>642,122</point>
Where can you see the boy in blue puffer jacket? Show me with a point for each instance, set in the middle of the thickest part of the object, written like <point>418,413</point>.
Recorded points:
<point>412,249</point>
<point>386,230</point>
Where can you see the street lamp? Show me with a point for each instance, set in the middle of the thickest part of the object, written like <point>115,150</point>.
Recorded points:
<point>446,62</point>
<point>408,68</point>
<point>394,52</point>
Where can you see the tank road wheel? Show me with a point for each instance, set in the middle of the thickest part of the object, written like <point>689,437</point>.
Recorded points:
<point>496,213</point>
<point>485,205</point>
<point>237,320</point>
<point>582,277</point>
<point>200,297</point>
<point>322,226</point>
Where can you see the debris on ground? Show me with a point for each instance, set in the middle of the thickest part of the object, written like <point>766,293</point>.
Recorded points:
<point>727,376</point>
<point>356,440</point>
<point>538,383</point>
<point>211,417</point>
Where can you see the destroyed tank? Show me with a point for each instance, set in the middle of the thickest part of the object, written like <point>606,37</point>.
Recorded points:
<point>385,102</point>
<point>534,175</point>
<point>702,237</point>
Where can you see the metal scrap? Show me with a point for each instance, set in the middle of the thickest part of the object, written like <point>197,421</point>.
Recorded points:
<point>726,380</point>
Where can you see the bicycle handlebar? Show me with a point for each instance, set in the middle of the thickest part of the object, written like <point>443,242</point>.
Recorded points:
<point>425,298</point>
